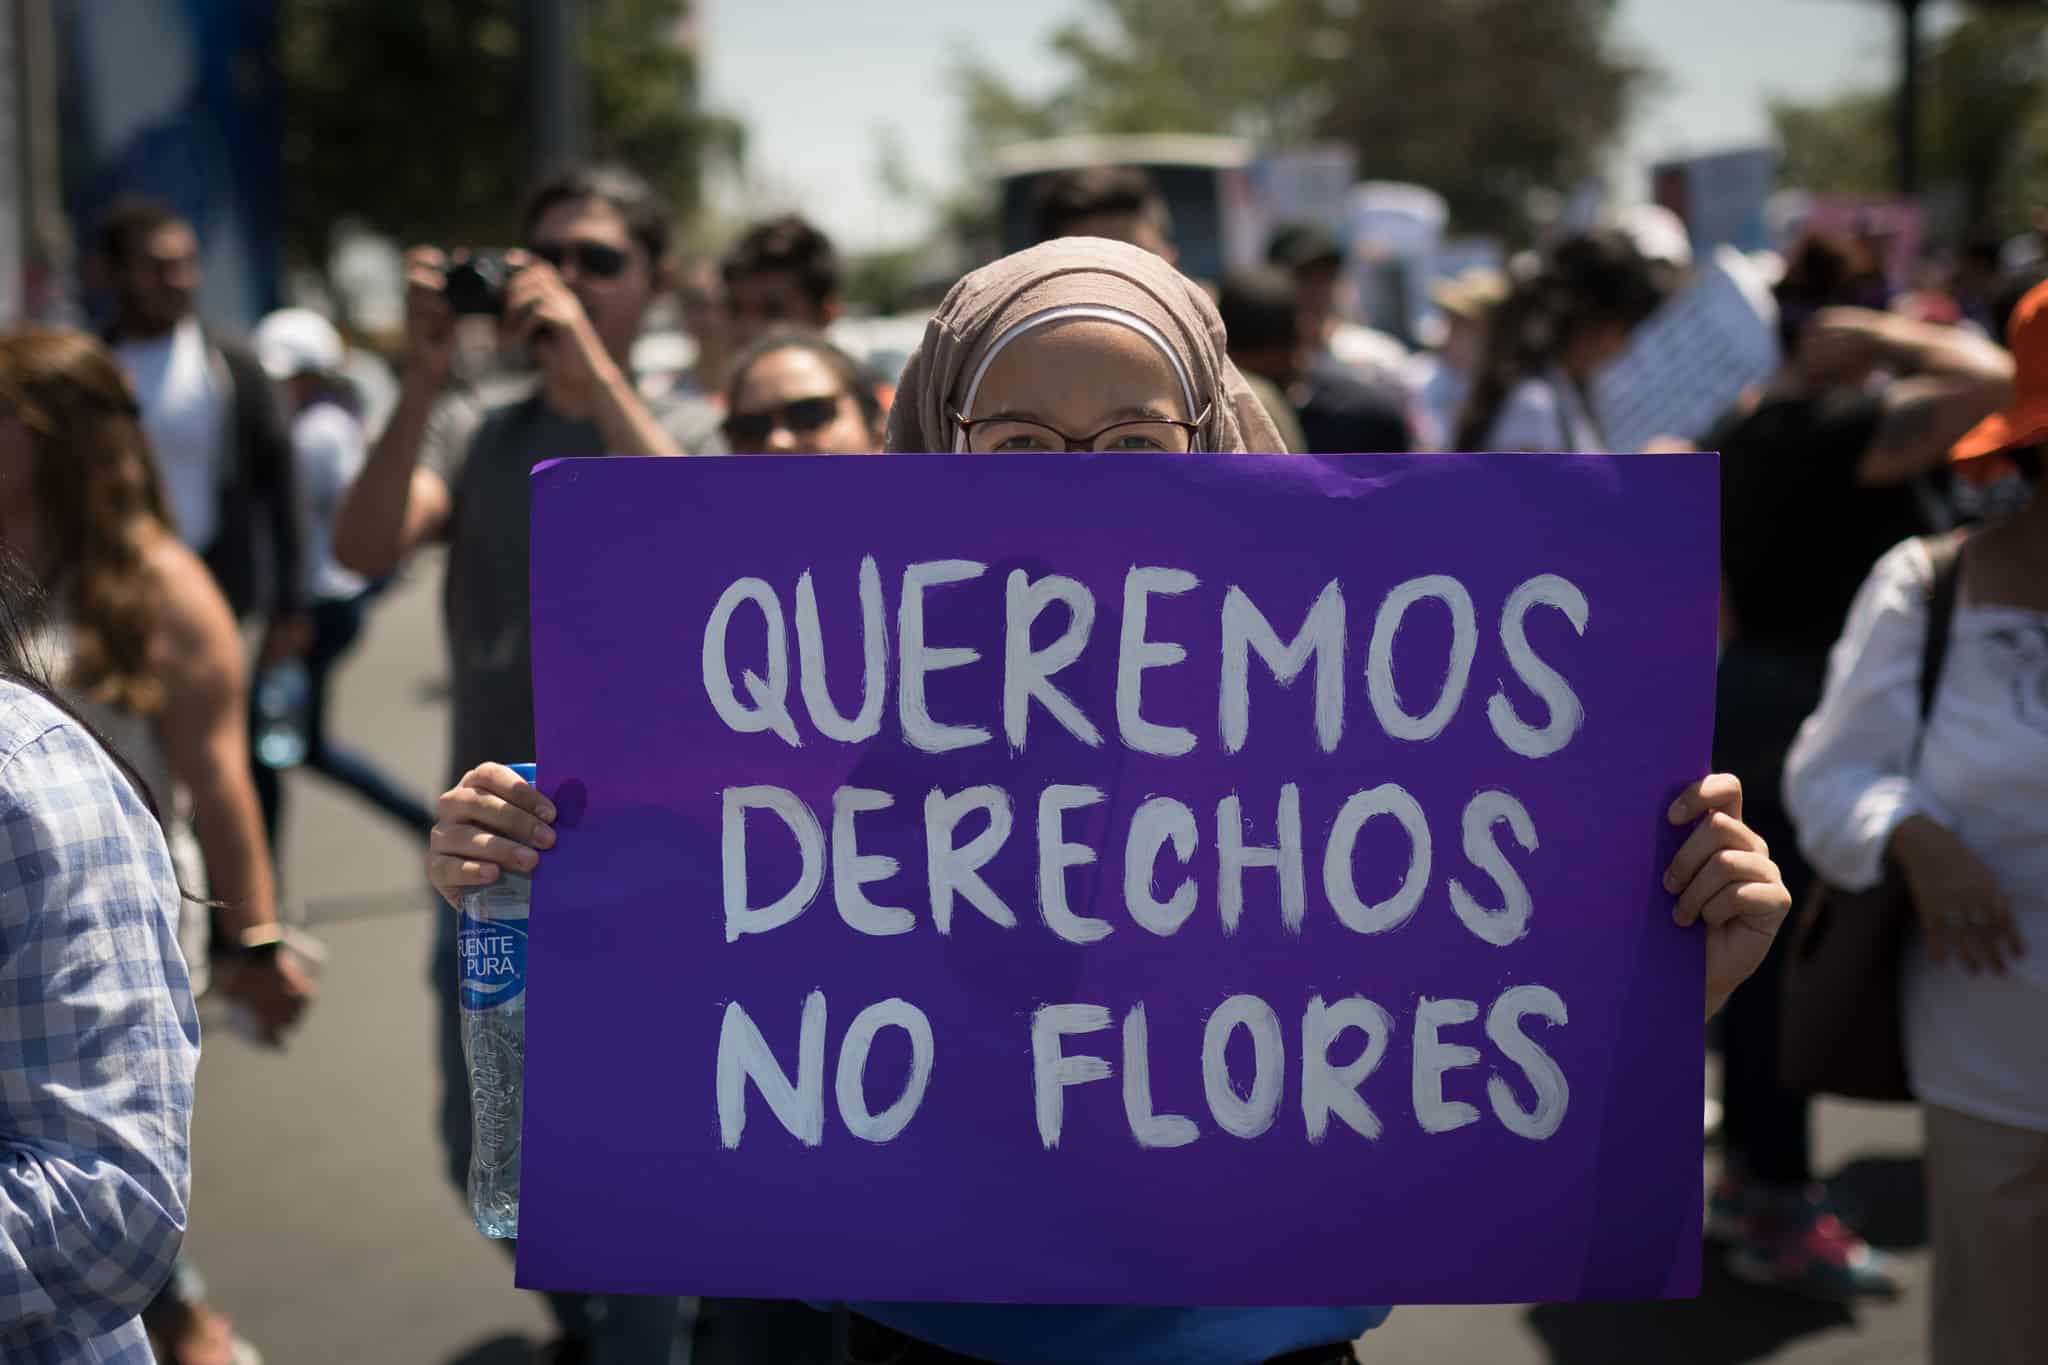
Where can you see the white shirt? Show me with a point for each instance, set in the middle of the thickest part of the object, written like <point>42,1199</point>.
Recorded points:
<point>1978,1044</point>
<point>1546,414</point>
<point>330,446</point>
<point>184,411</point>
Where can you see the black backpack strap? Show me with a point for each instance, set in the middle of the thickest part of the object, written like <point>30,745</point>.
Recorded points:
<point>1946,552</point>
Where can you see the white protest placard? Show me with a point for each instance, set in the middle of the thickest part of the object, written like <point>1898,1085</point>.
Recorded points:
<point>1692,359</point>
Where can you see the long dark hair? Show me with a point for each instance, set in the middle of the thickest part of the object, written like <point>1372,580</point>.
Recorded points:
<point>98,494</point>
<point>21,602</point>
<point>1586,280</point>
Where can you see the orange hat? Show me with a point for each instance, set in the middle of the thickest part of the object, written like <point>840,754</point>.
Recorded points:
<point>2025,422</point>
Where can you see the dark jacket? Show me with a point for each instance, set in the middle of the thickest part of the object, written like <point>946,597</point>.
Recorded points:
<point>255,556</point>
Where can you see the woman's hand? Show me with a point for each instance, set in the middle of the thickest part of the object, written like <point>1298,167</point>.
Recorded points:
<point>275,989</point>
<point>1724,875</point>
<point>1963,912</point>
<point>493,819</point>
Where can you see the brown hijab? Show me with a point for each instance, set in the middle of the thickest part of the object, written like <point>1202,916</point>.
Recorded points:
<point>1067,278</point>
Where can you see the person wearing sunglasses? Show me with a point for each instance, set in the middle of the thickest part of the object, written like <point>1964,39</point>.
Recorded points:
<point>793,393</point>
<point>454,469</point>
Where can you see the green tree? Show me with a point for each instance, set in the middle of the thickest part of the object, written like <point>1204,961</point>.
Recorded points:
<point>1984,90</point>
<point>1984,121</point>
<point>1841,145</point>
<point>411,118</point>
<point>1483,100</point>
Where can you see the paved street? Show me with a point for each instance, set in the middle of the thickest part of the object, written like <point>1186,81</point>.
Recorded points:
<point>324,1228</point>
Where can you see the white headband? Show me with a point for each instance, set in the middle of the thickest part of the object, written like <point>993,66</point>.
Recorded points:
<point>1064,313</point>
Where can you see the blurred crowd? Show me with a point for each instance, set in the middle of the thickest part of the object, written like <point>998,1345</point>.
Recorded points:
<point>198,526</point>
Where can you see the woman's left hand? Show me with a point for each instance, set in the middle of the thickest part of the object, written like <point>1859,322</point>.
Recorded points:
<point>1724,875</point>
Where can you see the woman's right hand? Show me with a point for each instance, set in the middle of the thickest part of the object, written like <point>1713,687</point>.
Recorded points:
<point>275,990</point>
<point>429,321</point>
<point>1963,912</point>
<point>492,820</point>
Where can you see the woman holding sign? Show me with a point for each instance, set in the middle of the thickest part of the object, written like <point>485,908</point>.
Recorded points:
<point>1087,345</point>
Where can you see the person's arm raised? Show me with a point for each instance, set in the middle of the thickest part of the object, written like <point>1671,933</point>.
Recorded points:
<point>544,312</point>
<point>395,505</point>
<point>1949,380</point>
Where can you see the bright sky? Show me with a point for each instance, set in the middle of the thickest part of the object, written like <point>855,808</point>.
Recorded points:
<point>821,83</point>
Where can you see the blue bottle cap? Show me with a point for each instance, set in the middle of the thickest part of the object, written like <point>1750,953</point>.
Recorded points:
<point>528,772</point>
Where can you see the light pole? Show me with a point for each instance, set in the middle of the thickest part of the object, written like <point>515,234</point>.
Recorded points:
<point>1908,113</point>
<point>558,105</point>
<point>1906,116</point>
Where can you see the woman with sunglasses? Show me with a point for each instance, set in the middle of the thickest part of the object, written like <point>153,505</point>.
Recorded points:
<point>794,393</point>
<point>1082,344</point>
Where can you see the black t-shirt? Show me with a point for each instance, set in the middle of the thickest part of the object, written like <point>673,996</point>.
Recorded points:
<point>1798,534</point>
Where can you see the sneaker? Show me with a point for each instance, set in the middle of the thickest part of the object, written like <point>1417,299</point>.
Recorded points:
<point>1796,1243</point>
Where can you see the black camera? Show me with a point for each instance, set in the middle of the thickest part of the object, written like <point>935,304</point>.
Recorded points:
<point>476,286</point>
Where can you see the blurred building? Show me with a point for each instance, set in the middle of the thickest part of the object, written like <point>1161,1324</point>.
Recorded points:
<point>178,99</point>
<point>36,279</point>
<point>1189,171</point>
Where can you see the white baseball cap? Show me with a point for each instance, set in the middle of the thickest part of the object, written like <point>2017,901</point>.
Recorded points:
<point>1658,233</point>
<point>295,341</point>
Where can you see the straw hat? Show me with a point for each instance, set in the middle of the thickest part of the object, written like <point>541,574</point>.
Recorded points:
<point>1470,294</point>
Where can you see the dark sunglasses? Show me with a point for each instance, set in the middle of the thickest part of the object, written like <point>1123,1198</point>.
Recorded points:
<point>594,259</point>
<point>800,417</point>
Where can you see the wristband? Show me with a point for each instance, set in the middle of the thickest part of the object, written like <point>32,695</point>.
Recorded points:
<point>256,943</point>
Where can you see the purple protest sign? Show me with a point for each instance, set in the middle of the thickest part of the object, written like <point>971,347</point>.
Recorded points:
<point>952,901</point>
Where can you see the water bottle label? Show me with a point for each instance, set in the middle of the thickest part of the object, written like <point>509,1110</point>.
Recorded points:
<point>493,955</point>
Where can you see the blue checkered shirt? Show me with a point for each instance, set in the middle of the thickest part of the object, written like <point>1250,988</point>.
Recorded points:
<point>98,1043</point>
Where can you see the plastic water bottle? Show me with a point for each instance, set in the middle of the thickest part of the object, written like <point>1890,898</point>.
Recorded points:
<point>282,694</point>
<point>491,949</point>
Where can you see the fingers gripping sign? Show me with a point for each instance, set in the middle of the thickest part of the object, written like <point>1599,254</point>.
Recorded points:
<point>1723,874</point>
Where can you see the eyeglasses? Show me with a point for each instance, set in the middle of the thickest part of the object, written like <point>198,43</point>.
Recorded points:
<point>799,417</point>
<point>1013,436</point>
<point>598,260</point>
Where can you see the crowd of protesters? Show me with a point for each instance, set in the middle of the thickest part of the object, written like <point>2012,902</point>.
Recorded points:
<point>189,523</point>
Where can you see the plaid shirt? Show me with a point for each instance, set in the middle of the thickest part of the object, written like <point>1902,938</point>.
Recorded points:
<point>98,1044</point>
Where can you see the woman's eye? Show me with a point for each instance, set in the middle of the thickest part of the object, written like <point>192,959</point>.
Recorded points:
<point>1135,441</point>
<point>1024,442</point>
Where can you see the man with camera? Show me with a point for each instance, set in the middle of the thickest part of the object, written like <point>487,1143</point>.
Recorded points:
<point>452,467</point>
